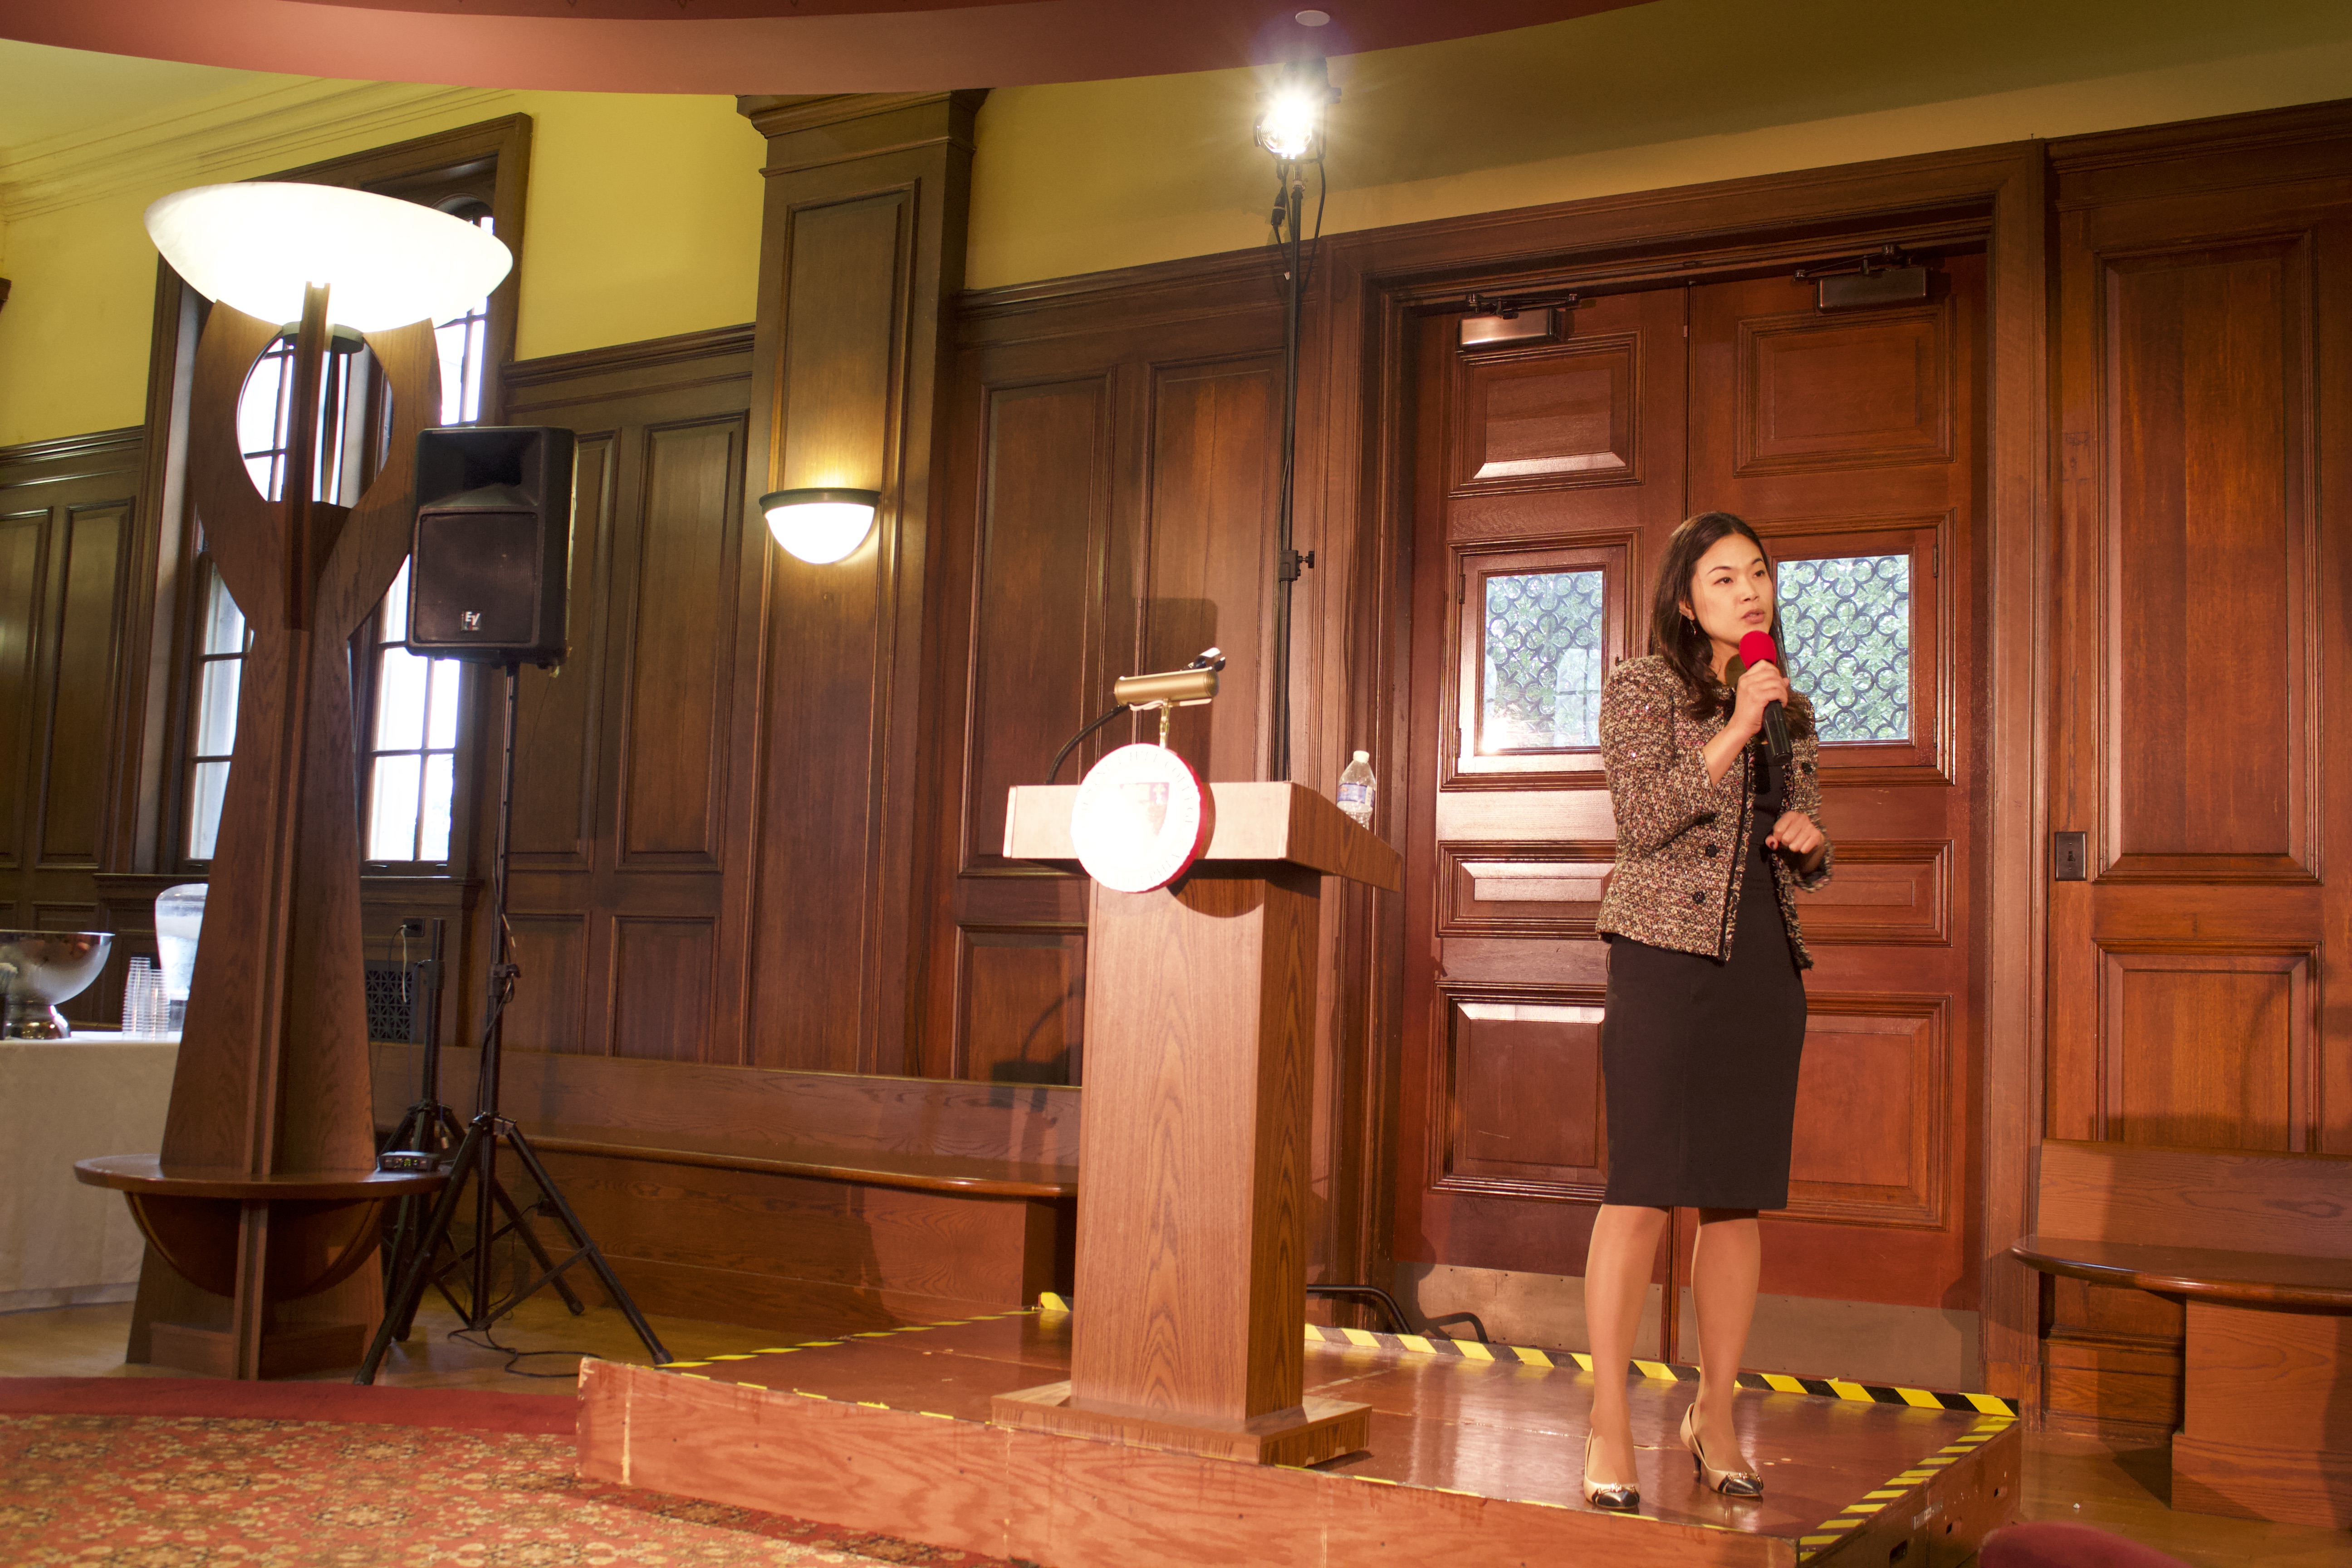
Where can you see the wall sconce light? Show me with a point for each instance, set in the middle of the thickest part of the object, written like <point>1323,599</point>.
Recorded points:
<point>821,526</point>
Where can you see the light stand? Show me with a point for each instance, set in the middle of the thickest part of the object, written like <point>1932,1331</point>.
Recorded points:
<point>1290,127</point>
<point>477,1154</point>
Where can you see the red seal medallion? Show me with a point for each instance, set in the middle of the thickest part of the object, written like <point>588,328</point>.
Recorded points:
<point>1140,819</point>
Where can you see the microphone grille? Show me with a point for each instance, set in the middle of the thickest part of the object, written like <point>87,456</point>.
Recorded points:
<point>1757,648</point>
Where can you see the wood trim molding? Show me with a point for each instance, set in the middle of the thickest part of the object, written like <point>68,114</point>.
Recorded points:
<point>85,452</point>
<point>1133,287</point>
<point>682,348</point>
<point>2225,133</point>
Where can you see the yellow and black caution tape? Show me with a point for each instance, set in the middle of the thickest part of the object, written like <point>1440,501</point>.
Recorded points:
<point>1839,1525</point>
<point>828,1345</point>
<point>1663,1371</point>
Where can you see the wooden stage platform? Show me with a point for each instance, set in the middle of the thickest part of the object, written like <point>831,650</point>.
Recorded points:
<point>1472,1461</point>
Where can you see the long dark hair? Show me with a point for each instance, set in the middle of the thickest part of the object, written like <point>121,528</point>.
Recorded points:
<point>1683,643</point>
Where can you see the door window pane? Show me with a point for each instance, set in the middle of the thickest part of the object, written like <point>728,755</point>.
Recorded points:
<point>1848,621</point>
<point>1543,662</point>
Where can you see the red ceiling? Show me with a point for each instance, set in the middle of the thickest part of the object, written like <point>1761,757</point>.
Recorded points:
<point>752,46</point>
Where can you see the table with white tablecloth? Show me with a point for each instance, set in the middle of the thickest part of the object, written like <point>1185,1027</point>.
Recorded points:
<point>61,1243</point>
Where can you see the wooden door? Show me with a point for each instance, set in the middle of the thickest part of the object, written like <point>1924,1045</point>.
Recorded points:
<point>2203,581</point>
<point>1850,440</point>
<point>1547,481</point>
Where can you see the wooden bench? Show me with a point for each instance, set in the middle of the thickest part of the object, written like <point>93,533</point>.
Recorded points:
<point>790,1200</point>
<point>2259,1246</point>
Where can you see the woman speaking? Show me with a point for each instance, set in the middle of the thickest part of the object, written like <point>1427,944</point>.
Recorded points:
<point>1706,1012</point>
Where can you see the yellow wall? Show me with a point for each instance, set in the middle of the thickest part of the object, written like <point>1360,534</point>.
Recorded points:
<point>1097,174</point>
<point>644,211</point>
<point>644,220</point>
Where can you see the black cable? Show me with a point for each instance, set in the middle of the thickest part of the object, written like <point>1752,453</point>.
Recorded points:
<point>513,1355</point>
<point>1322,194</point>
<point>1064,755</point>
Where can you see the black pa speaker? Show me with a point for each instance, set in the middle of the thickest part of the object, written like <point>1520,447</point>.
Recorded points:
<point>490,551</point>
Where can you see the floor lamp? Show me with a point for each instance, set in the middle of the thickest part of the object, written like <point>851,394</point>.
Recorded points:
<point>264,1205</point>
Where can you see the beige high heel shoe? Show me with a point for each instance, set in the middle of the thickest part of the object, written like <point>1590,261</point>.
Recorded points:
<point>1618,1497</point>
<point>1729,1483</point>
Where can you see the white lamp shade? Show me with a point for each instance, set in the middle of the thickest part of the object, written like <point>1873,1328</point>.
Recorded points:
<point>386,262</point>
<point>820,526</point>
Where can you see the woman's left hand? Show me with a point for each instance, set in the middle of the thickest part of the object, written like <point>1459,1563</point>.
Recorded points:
<point>1796,835</point>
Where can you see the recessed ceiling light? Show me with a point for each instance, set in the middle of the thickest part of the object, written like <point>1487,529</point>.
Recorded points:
<point>1313,18</point>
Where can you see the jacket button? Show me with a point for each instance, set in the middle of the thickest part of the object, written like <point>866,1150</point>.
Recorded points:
<point>1698,898</point>
<point>1707,850</point>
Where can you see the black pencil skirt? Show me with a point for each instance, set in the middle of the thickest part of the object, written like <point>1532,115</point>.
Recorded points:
<point>1700,1058</point>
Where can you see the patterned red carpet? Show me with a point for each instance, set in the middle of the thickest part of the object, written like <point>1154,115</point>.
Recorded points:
<point>88,1482</point>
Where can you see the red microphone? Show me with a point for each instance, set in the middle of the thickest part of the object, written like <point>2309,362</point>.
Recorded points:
<point>1756,649</point>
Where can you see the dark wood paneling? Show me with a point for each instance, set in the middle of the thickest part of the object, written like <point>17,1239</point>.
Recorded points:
<point>622,754</point>
<point>1874,1112</point>
<point>1823,393</point>
<point>20,607</point>
<point>2211,1050</point>
<point>1208,554</point>
<point>722,1235</point>
<point>1564,415</point>
<point>1037,619</point>
<point>96,541</point>
<point>1524,1081</point>
<point>2205,277</point>
<point>862,244</point>
<point>70,635</point>
<point>1111,494</point>
<point>557,779</point>
<point>674,695</point>
<point>1886,892</point>
<point>548,1009</point>
<point>661,983</point>
<point>841,342</point>
<point>1023,998</point>
<point>1537,889</point>
<point>2210,543</point>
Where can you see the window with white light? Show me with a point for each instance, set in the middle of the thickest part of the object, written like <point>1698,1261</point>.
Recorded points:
<point>412,708</point>
<point>412,743</point>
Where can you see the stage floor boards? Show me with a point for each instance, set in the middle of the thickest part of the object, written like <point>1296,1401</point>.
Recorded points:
<point>1839,1475</point>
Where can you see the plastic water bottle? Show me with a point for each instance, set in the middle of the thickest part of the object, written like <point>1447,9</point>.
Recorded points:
<point>1358,788</point>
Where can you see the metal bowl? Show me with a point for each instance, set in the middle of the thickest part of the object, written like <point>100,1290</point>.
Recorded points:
<point>40,969</point>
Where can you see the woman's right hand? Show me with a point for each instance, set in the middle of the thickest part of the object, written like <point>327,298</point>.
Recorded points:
<point>1761,684</point>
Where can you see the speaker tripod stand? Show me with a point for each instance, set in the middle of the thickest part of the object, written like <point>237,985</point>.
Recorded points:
<point>428,1133</point>
<point>476,1159</point>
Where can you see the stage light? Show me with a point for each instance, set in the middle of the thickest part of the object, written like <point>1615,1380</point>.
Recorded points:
<point>820,526</point>
<point>386,262</point>
<point>1290,120</point>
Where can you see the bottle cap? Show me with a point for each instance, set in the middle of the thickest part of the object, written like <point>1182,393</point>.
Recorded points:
<point>1363,756</point>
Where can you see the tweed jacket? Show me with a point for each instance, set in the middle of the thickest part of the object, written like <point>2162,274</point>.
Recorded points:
<point>1681,841</point>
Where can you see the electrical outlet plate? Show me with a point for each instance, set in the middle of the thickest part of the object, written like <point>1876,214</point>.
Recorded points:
<point>2069,857</point>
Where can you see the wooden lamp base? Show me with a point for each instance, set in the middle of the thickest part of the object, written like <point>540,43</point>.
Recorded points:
<point>1305,1434</point>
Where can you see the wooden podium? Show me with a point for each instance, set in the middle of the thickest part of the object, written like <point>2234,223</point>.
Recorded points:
<point>1191,1290</point>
